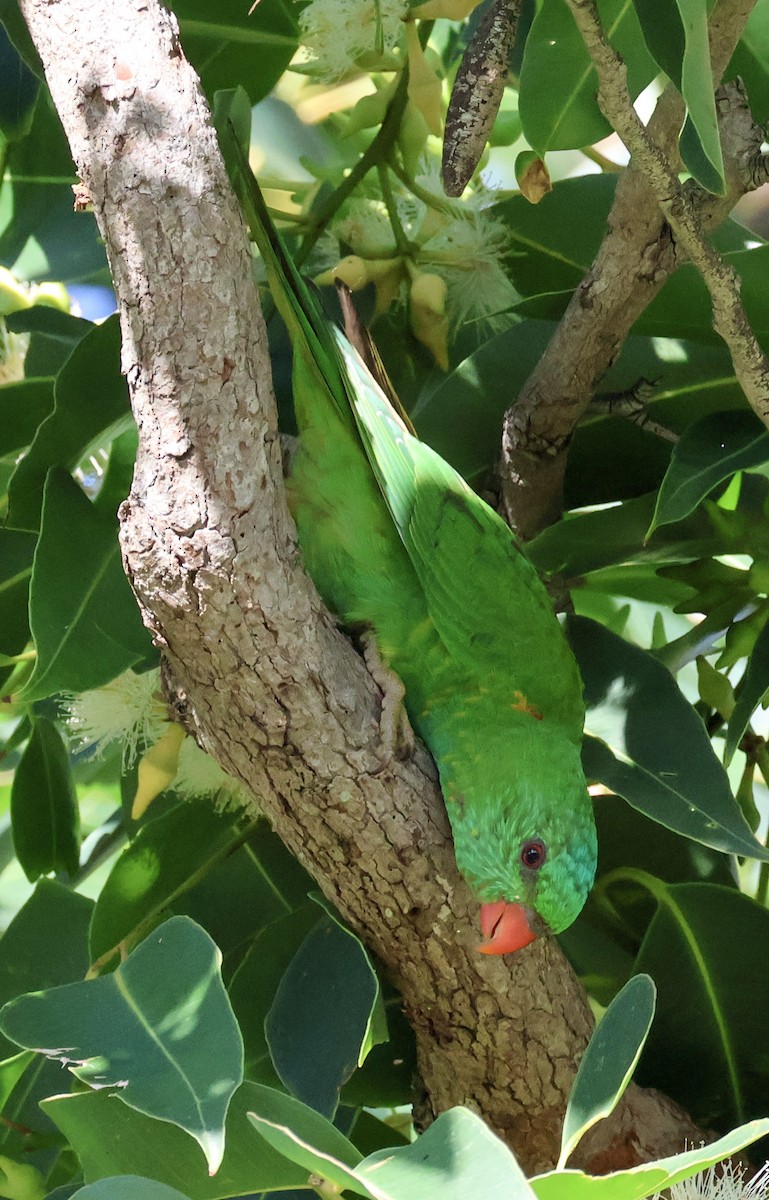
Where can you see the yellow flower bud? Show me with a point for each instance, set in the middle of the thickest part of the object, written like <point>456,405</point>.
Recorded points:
<point>13,294</point>
<point>429,322</point>
<point>412,137</point>
<point>157,769</point>
<point>425,89</point>
<point>357,272</point>
<point>452,10</point>
<point>370,110</point>
<point>52,295</point>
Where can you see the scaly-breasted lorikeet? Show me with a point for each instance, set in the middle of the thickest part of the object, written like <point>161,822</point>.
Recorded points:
<point>397,543</point>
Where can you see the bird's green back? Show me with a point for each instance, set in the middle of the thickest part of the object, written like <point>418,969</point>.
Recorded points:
<point>398,543</point>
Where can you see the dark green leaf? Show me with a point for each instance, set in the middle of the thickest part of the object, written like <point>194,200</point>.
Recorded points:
<point>44,805</point>
<point>16,554</point>
<point>318,1028</point>
<point>46,944</point>
<point>750,62</point>
<point>707,453</point>
<point>609,1061</point>
<point>18,91</point>
<point>232,43</point>
<point>558,86</point>
<point>91,406</point>
<point>709,1046</point>
<point>46,238</point>
<point>112,1139</point>
<point>750,694</point>
<point>254,984</point>
<point>160,1029</point>
<point>23,407</point>
<point>649,745</point>
<point>54,335</point>
<point>156,867</point>
<point>83,615</point>
<point>128,1187</point>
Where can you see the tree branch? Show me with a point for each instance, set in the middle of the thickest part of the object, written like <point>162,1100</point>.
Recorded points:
<point>270,686</point>
<point>635,259</point>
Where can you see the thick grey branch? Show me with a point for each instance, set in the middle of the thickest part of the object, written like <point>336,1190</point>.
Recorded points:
<point>272,689</point>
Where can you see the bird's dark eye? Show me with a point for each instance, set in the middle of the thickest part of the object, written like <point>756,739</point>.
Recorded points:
<point>533,854</point>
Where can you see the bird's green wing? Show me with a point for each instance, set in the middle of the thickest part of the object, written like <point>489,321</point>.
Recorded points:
<point>484,596</point>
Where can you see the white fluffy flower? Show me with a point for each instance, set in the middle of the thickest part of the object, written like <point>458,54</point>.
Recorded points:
<point>129,709</point>
<point>364,227</point>
<point>199,775</point>
<point>723,1182</point>
<point>468,251</point>
<point>339,32</point>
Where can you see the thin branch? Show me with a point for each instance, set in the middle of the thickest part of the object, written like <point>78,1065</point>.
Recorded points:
<point>635,259</point>
<point>750,364</point>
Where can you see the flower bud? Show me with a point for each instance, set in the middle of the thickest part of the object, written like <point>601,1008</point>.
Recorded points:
<point>425,88</point>
<point>429,323</point>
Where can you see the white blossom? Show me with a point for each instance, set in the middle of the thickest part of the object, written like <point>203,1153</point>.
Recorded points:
<point>726,1181</point>
<point>468,251</point>
<point>129,709</point>
<point>199,775</point>
<point>339,32</point>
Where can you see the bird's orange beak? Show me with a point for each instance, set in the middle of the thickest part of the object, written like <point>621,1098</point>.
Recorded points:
<point>506,926</point>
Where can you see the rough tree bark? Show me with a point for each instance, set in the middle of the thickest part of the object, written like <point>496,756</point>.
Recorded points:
<point>270,687</point>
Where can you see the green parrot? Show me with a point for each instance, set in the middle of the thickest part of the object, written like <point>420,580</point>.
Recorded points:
<point>399,545</point>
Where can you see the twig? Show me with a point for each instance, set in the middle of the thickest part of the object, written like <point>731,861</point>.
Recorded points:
<point>729,320</point>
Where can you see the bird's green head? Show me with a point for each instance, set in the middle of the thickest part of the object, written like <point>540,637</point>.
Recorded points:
<point>525,839</point>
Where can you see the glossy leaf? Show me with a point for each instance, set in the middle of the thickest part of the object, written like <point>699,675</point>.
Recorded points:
<point>717,1065</point>
<point>254,984</point>
<point>648,744</point>
<point>158,866</point>
<point>18,91</point>
<point>641,1182</point>
<point>707,453</point>
<point>111,1139</point>
<point>318,1026</point>
<point>160,1029</point>
<point>231,42</point>
<point>750,62</point>
<point>44,809</point>
<point>91,405</point>
<point>609,1061</point>
<point>558,84</point>
<point>750,694</point>
<point>23,406</point>
<point>46,944</point>
<point>53,336</point>
<point>456,1157</point>
<point>680,47</point>
<point>128,1187</point>
<point>83,615</point>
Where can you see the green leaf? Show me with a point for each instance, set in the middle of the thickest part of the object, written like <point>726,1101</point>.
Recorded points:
<point>16,554</point>
<point>46,944</point>
<point>750,693</point>
<point>18,91</point>
<point>750,62</point>
<point>681,49</point>
<point>558,84</point>
<point>254,984</point>
<point>44,809</point>
<point>156,867</point>
<point>128,1187</point>
<point>319,1022</point>
<point>111,1139</point>
<point>706,454</point>
<point>608,1062</point>
<point>458,1156</point>
<point>23,406</point>
<point>160,1028</point>
<point>719,1069</point>
<point>44,237</point>
<point>227,42</point>
<point>54,335</point>
<point>647,1180</point>
<point>83,615</point>
<point>20,1181</point>
<point>649,745</point>
<point>91,406</point>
